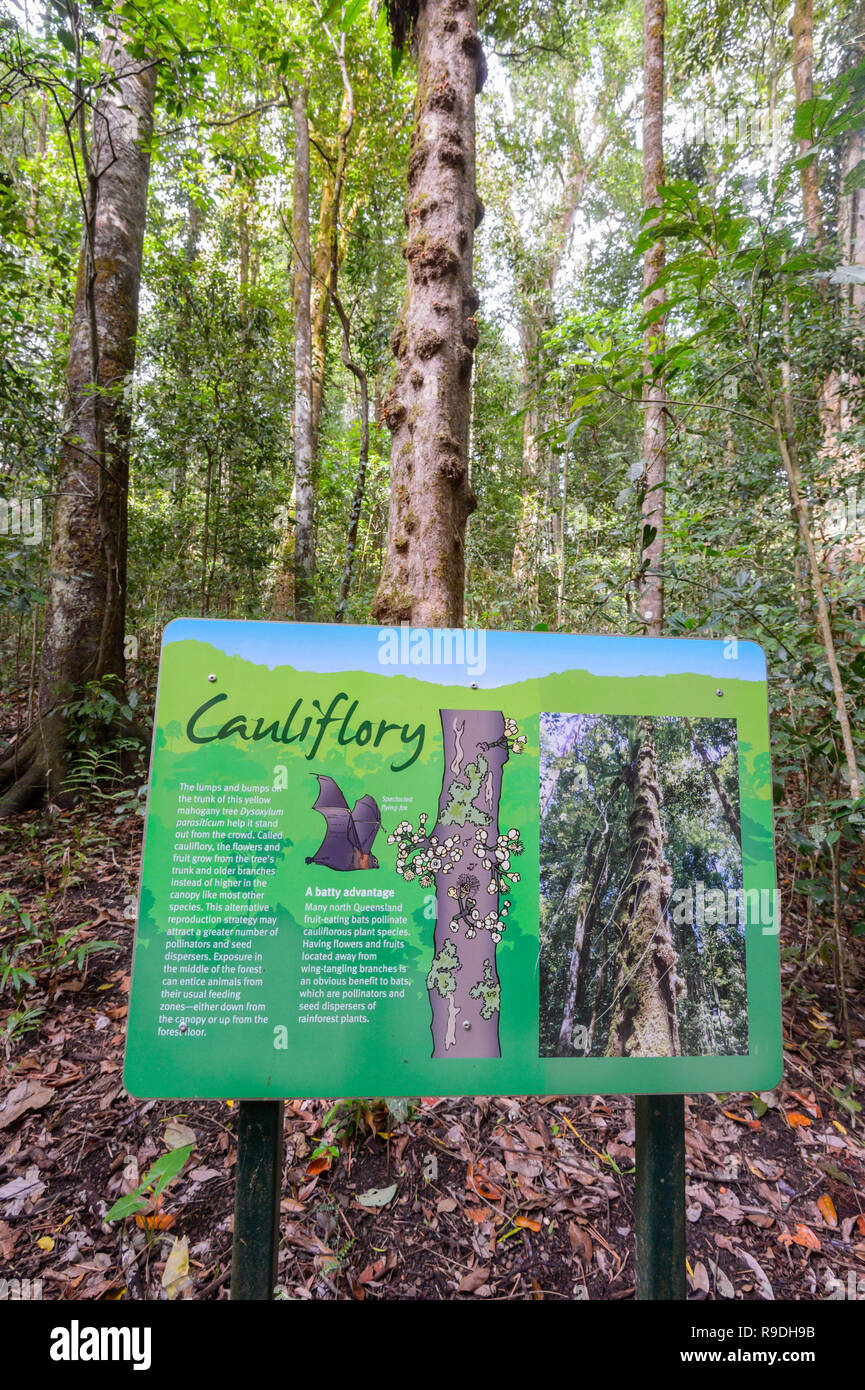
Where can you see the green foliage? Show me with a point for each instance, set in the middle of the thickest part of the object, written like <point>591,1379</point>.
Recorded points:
<point>164,1171</point>
<point>33,956</point>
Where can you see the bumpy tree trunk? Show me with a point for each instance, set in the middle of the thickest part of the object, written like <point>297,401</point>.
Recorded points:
<point>463,981</point>
<point>86,608</point>
<point>428,406</point>
<point>654,391</point>
<point>644,1017</point>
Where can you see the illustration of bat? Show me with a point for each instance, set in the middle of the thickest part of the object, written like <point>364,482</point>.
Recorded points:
<point>348,839</point>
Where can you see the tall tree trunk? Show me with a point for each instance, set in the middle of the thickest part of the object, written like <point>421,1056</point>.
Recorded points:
<point>644,1020</point>
<point>86,606</point>
<point>803,77</point>
<point>293,590</point>
<point>304,536</point>
<point>362,462</point>
<point>428,406</point>
<point>36,184</point>
<point>654,391</point>
<point>526,559</point>
<point>581,945</point>
<point>601,986</point>
<point>712,771</point>
<point>324,266</point>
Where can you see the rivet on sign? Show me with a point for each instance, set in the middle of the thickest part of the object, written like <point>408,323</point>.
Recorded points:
<point>467,1026</point>
<point>183,1027</point>
<point>719,693</point>
<point>211,678</point>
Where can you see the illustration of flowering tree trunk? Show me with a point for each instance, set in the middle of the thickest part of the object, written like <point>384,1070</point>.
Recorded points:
<point>470,863</point>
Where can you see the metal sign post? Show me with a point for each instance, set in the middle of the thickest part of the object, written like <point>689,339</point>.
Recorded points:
<point>258,1186</point>
<point>659,1198</point>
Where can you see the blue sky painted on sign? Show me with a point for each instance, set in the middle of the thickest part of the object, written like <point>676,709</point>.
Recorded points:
<point>490,659</point>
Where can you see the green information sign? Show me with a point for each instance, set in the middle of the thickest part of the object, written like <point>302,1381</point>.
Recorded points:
<point>414,862</point>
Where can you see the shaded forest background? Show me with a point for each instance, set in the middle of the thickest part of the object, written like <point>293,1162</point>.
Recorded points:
<point>274,253</point>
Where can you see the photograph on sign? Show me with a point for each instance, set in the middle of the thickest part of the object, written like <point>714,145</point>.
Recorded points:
<point>406,861</point>
<point>642,920</point>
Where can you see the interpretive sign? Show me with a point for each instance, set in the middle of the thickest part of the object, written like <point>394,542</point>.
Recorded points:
<point>406,861</point>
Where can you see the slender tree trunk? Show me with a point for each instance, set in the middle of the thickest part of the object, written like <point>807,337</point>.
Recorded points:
<point>304,536</point>
<point>562,543</point>
<point>712,771</point>
<point>644,1020</point>
<point>427,409</point>
<point>526,559</point>
<point>601,987</point>
<point>363,460</point>
<point>86,606</point>
<point>790,458</point>
<point>654,391</point>
<point>36,185</point>
<point>324,266</point>
<point>537,318</point>
<point>803,78</point>
<point>293,591</point>
<point>581,945</point>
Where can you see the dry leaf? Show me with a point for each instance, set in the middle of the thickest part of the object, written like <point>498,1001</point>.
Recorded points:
<point>764,1288</point>
<point>478,1214</point>
<point>743,1120</point>
<point>477,1179</point>
<point>8,1238</point>
<point>527,1224</point>
<point>700,1277</point>
<point>827,1209</point>
<point>580,1242</point>
<point>524,1165</point>
<point>474,1279</point>
<point>175,1276</point>
<point>803,1235</point>
<point>377,1196</point>
<point>27,1095</point>
<point>318,1165</point>
<point>723,1285</point>
<point>177,1135</point>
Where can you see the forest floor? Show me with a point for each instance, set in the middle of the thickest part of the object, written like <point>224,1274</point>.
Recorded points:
<point>503,1198</point>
